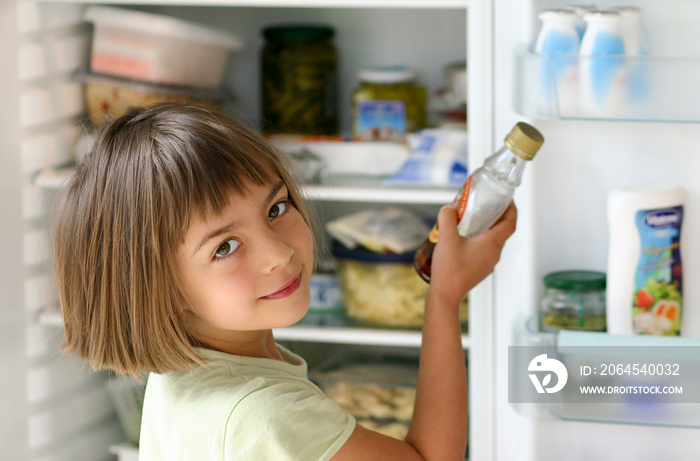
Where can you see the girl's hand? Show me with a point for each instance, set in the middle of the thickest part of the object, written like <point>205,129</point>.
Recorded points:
<point>460,263</point>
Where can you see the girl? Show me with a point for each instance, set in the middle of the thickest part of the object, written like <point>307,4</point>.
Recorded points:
<point>180,243</point>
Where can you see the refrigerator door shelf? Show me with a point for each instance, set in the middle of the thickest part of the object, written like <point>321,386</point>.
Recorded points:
<point>611,88</point>
<point>647,380</point>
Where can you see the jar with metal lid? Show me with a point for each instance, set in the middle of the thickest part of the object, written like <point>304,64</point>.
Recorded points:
<point>299,80</point>
<point>573,300</point>
<point>388,103</point>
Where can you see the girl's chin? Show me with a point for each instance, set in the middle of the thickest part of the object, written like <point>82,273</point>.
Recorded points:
<point>297,314</point>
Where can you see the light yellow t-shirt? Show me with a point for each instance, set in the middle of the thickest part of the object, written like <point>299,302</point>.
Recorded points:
<point>240,408</point>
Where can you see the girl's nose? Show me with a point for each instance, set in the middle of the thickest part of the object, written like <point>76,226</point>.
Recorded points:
<point>274,252</point>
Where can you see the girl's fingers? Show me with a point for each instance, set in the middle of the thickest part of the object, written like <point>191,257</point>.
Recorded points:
<point>447,221</point>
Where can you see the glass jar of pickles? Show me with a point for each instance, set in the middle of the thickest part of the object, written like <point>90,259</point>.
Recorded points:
<point>299,80</point>
<point>573,300</point>
<point>388,103</point>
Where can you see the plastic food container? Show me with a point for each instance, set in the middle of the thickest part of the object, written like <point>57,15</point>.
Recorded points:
<point>383,289</point>
<point>109,97</point>
<point>157,48</point>
<point>379,392</point>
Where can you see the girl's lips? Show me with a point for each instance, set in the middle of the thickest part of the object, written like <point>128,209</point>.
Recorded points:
<point>286,290</point>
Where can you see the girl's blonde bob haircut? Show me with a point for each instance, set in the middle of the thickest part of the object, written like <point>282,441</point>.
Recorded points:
<point>121,218</point>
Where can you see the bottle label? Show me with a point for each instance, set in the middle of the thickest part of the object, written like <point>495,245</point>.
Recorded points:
<point>381,120</point>
<point>463,199</point>
<point>658,279</point>
<point>460,204</point>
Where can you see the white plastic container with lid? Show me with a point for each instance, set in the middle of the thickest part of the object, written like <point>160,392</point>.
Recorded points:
<point>645,272</point>
<point>156,48</point>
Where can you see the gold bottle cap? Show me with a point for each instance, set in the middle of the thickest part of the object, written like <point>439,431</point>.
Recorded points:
<point>524,140</point>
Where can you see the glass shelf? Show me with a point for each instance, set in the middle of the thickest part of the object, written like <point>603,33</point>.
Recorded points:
<point>341,334</point>
<point>335,188</point>
<point>651,89</point>
<point>611,361</point>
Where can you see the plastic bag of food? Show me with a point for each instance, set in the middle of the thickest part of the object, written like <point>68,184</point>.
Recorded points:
<point>390,229</point>
<point>438,158</point>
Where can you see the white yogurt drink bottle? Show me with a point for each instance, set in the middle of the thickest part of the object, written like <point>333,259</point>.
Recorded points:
<point>580,11</point>
<point>632,33</point>
<point>603,78</point>
<point>559,41</point>
<point>635,47</point>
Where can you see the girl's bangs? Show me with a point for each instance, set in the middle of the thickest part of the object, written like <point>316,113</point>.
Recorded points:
<point>221,172</point>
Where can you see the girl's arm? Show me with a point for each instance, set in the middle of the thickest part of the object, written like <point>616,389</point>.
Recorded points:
<point>438,430</point>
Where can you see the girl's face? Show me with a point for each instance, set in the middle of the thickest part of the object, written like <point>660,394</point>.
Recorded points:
<point>247,269</point>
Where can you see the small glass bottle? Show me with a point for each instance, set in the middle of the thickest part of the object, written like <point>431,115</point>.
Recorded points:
<point>573,300</point>
<point>488,190</point>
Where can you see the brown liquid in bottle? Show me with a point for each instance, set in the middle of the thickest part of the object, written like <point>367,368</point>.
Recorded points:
<point>424,256</point>
<point>424,259</point>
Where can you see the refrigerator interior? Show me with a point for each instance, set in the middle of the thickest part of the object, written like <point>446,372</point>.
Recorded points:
<point>65,412</point>
<point>563,223</point>
<point>55,407</point>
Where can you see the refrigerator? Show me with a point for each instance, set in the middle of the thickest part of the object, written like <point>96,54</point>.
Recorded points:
<point>56,408</point>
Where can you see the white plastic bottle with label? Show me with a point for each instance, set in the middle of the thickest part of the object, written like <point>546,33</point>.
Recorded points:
<point>603,79</point>
<point>644,274</point>
<point>559,40</point>
<point>635,47</point>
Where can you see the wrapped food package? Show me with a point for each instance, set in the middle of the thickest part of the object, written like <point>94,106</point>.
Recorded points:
<point>383,289</point>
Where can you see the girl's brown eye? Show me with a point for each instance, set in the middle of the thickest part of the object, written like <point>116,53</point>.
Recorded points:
<point>227,248</point>
<point>278,209</point>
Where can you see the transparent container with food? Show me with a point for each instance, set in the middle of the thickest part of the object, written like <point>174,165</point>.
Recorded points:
<point>299,90</point>
<point>388,103</point>
<point>573,300</point>
<point>383,289</point>
<point>378,391</point>
<point>108,97</point>
<point>158,48</point>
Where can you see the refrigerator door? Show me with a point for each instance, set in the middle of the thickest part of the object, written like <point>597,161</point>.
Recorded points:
<point>562,225</point>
